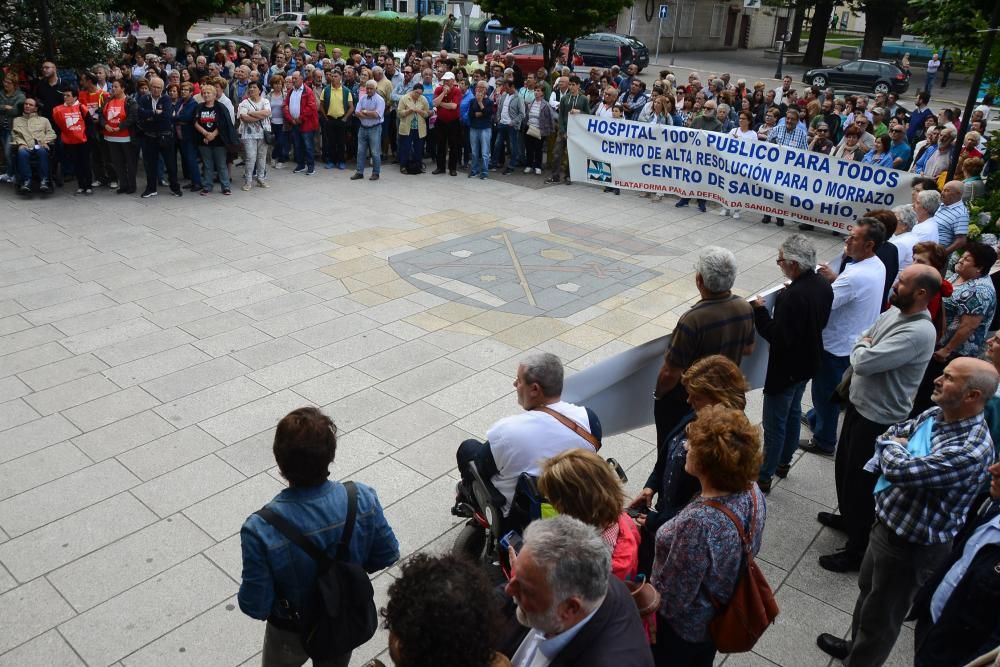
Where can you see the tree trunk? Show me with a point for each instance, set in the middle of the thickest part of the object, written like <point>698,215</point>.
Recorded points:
<point>881,18</point>
<point>176,29</point>
<point>818,32</point>
<point>796,36</point>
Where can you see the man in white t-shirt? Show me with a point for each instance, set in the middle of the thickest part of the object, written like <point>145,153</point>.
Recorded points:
<point>857,302</point>
<point>521,443</point>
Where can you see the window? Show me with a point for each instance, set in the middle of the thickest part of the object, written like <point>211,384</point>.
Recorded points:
<point>870,68</point>
<point>718,17</point>
<point>851,67</point>
<point>401,6</point>
<point>685,27</point>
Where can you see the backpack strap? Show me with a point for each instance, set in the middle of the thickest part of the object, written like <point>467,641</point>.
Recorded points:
<point>287,529</point>
<point>343,551</point>
<point>571,425</point>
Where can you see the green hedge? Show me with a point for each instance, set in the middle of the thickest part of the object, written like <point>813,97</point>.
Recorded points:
<point>373,32</point>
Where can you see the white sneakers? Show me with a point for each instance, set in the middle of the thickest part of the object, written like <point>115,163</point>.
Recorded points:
<point>527,170</point>
<point>736,215</point>
<point>538,171</point>
<point>723,212</point>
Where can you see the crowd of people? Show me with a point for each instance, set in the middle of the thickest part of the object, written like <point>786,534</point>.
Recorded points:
<point>918,486</point>
<point>479,114</point>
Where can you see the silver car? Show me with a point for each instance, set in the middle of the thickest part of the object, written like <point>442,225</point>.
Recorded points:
<point>293,24</point>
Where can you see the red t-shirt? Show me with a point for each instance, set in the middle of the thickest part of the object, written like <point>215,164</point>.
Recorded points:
<point>70,121</point>
<point>455,96</point>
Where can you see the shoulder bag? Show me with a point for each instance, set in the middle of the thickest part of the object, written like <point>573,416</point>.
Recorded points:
<point>739,624</point>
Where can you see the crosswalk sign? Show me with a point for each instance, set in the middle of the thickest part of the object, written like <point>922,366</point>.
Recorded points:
<point>663,11</point>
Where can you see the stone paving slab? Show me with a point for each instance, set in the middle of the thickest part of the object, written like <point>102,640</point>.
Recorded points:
<point>148,347</point>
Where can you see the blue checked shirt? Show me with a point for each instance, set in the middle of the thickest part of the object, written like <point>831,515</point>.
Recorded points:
<point>952,221</point>
<point>797,138</point>
<point>931,495</point>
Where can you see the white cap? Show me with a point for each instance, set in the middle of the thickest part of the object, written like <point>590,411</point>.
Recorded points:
<point>446,76</point>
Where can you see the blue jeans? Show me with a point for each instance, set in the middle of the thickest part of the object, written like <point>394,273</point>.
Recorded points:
<point>509,135</point>
<point>24,163</point>
<point>781,427</point>
<point>8,158</point>
<point>303,142</point>
<point>825,413</point>
<point>411,148</point>
<point>280,150</point>
<point>370,138</point>
<point>214,158</point>
<point>189,158</point>
<point>480,140</point>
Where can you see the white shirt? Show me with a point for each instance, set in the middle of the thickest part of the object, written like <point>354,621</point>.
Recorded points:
<point>538,651</point>
<point>904,244</point>
<point>857,302</point>
<point>749,135</point>
<point>295,101</point>
<point>927,230</point>
<point>505,110</point>
<point>605,111</point>
<point>520,443</point>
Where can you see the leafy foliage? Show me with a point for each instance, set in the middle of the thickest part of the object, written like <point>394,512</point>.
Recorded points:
<point>176,16</point>
<point>372,31</point>
<point>990,203</point>
<point>953,25</point>
<point>554,22</point>
<point>80,36</point>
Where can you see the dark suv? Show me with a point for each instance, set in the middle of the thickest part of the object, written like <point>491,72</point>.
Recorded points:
<point>867,75</point>
<point>604,49</point>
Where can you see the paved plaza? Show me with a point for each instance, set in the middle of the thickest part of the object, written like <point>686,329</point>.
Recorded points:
<point>148,348</point>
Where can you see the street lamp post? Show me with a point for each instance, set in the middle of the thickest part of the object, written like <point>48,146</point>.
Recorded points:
<point>420,15</point>
<point>781,54</point>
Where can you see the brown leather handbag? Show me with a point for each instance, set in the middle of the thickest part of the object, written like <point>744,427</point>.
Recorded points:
<point>739,624</point>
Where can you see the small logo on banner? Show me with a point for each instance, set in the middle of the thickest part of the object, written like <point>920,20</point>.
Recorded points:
<point>598,171</point>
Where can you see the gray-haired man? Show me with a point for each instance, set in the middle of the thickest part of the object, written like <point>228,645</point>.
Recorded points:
<point>720,323</point>
<point>578,614</point>
<point>795,333</point>
<point>520,443</point>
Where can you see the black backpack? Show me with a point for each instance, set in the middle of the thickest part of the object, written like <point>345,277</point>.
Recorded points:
<point>340,613</point>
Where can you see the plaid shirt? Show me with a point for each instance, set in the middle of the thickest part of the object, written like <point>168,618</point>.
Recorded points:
<point>781,136</point>
<point>930,495</point>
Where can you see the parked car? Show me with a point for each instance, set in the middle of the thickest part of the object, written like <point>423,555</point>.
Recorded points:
<point>529,57</point>
<point>604,49</point>
<point>207,46</point>
<point>861,75</point>
<point>293,24</point>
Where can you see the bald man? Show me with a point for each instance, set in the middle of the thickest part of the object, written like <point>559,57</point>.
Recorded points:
<point>930,469</point>
<point>888,361</point>
<point>952,217</point>
<point>155,112</point>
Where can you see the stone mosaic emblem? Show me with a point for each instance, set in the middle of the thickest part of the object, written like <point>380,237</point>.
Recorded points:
<point>524,273</point>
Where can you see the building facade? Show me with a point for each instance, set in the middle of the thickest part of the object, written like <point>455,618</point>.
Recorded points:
<point>697,25</point>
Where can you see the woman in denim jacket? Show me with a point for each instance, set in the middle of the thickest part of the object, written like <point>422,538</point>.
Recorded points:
<point>279,576</point>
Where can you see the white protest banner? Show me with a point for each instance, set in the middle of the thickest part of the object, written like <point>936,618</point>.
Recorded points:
<point>620,388</point>
<point>745,175</point>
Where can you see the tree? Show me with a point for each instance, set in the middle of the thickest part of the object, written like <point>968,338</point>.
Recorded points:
<point>954,25</point>
<point>82,39</point>
<point>554,22</point>
<point>882,17</point>
<point>176,16</point>
<point>817,33</point>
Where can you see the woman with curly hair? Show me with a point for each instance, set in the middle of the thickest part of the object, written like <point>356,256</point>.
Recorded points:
<point>578,482</point>
<point>699,552</point>
<point>712,380</point>
<point>441,611</point>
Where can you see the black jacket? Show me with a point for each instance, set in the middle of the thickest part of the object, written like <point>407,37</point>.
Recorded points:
<point>152,124</point>
<point>795,330</point>
<point>614,636</point>
<point>969,625</point>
